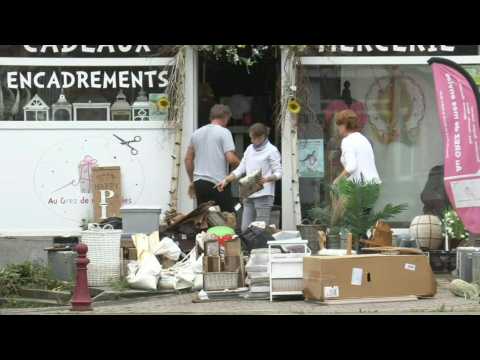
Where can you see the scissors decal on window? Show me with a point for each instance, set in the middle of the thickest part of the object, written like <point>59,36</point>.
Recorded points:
<point>136,139</point>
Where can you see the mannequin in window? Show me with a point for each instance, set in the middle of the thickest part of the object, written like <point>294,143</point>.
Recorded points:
<point>434,197</point>
<point>346,102</point>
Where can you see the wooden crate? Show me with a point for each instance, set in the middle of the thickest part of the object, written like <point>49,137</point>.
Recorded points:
<point>220,281</point>
<point>232,263</point>
<point>233,247</point>
<point>212,264</point>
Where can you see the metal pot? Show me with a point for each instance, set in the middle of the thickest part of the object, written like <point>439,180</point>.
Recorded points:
<point>333,242</point>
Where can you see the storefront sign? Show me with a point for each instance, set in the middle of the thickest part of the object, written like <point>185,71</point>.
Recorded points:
<point>87,79</point>
<point>95,78</point>
<point>458,108</point>
<point>85,50</point>
<point>397,50</point>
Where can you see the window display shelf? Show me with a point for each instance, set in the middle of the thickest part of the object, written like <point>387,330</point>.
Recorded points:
<point>84,125</point>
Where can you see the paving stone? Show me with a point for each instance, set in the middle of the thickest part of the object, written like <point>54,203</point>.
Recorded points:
<point>443,303</point>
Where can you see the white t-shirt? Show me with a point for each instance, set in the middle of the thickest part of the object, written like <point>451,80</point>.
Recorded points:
<point>358,158</point>
<point>267,159</point>
<point>211,143</point>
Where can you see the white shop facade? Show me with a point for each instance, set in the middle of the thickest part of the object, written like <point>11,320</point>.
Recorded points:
<point>67,108</point>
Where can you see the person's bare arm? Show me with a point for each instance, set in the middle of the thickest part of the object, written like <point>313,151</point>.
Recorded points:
<point>190,162</point>
<point>232,159</point>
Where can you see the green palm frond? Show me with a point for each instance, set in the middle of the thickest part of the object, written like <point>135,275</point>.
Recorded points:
<point>361,195</point>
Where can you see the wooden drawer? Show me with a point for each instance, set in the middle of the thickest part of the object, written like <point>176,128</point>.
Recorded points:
<point>287,269</point>
<point>287,285</point>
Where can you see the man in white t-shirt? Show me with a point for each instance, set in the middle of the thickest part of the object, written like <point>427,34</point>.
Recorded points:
<point>209,156</point>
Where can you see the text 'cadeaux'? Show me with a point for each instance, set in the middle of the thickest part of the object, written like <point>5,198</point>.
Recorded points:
<point>87,49</point>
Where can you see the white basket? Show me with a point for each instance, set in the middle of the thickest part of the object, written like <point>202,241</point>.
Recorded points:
<point>104,253</point>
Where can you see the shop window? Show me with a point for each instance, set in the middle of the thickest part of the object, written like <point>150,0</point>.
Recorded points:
<point>82,94</point>
<point>397,108</point>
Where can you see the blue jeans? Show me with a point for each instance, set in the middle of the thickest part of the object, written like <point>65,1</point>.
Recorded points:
<point>256,210</point>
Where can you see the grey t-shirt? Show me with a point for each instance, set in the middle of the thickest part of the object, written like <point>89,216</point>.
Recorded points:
<point>211,143</point>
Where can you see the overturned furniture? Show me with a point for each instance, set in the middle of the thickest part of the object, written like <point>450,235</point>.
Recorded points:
<point>184,228</point>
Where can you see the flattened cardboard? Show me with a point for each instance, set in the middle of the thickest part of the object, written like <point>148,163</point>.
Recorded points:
<point>107,179</point>
<point>233,247</point>
<point>368,276</point>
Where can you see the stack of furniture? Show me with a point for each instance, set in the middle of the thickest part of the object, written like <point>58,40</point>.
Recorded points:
<point>258,274</point>
<point>286,270</point>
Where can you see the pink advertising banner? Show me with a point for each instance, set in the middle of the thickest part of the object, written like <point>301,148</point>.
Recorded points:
<point>458,109</point>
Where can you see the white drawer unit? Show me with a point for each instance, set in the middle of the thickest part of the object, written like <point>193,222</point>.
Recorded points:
<point>286,270</point>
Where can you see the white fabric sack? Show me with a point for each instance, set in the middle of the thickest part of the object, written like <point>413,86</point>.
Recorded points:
<point>198,265</point>
<point>168,249</point>
<point>146,274</point>
<point>152,244</point>
<point>167,282</point>
<point>198,283</point>
<point>259,224</point>
<point>185,279</point>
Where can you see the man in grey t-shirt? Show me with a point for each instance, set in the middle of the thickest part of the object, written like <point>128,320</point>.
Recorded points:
<point>209,156</point>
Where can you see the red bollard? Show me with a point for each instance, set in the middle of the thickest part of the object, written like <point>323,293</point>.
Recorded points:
<point>82,300</point>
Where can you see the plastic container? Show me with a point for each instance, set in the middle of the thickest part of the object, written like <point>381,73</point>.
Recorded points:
<point>465,262</point>
<point>476,268</point>
<point>288,235</point>
<point>140,220</point>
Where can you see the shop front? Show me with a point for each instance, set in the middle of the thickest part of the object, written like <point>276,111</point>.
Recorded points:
<point>391,89</point>
<point>66,109</point>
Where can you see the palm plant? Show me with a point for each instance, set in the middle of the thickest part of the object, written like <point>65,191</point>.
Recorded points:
<point>360,197</point>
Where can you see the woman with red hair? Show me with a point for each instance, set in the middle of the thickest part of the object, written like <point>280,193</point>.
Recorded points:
<point>358,158</point>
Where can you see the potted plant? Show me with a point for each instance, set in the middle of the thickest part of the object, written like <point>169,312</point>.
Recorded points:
<point>359,199</point>
<point>454,229</point>
<point>316,221</point>
<point>329,219</point>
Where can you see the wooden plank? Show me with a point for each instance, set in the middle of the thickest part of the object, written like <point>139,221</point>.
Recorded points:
<point>367,301</point>
<point>212,264</point>
<point>233,248</point>
<point>127,244</point>
<point>402,251</point>
<point>232,263</point>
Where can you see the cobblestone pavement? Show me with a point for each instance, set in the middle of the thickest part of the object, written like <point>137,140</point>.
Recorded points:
<point>444,303</point>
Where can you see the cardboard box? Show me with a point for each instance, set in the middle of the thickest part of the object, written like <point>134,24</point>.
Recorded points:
<point>368,276</point>
<point>132,254</point>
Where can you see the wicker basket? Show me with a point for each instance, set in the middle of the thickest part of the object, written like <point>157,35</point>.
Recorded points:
<point>220,281</point>
<point>104,253</point>
<point>310,232</point>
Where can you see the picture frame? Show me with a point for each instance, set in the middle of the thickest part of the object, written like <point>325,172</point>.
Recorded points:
<point>91,111</point>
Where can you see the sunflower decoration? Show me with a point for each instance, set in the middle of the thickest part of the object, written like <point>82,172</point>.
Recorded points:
<point>294,106</point>
<point>162,104</point>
